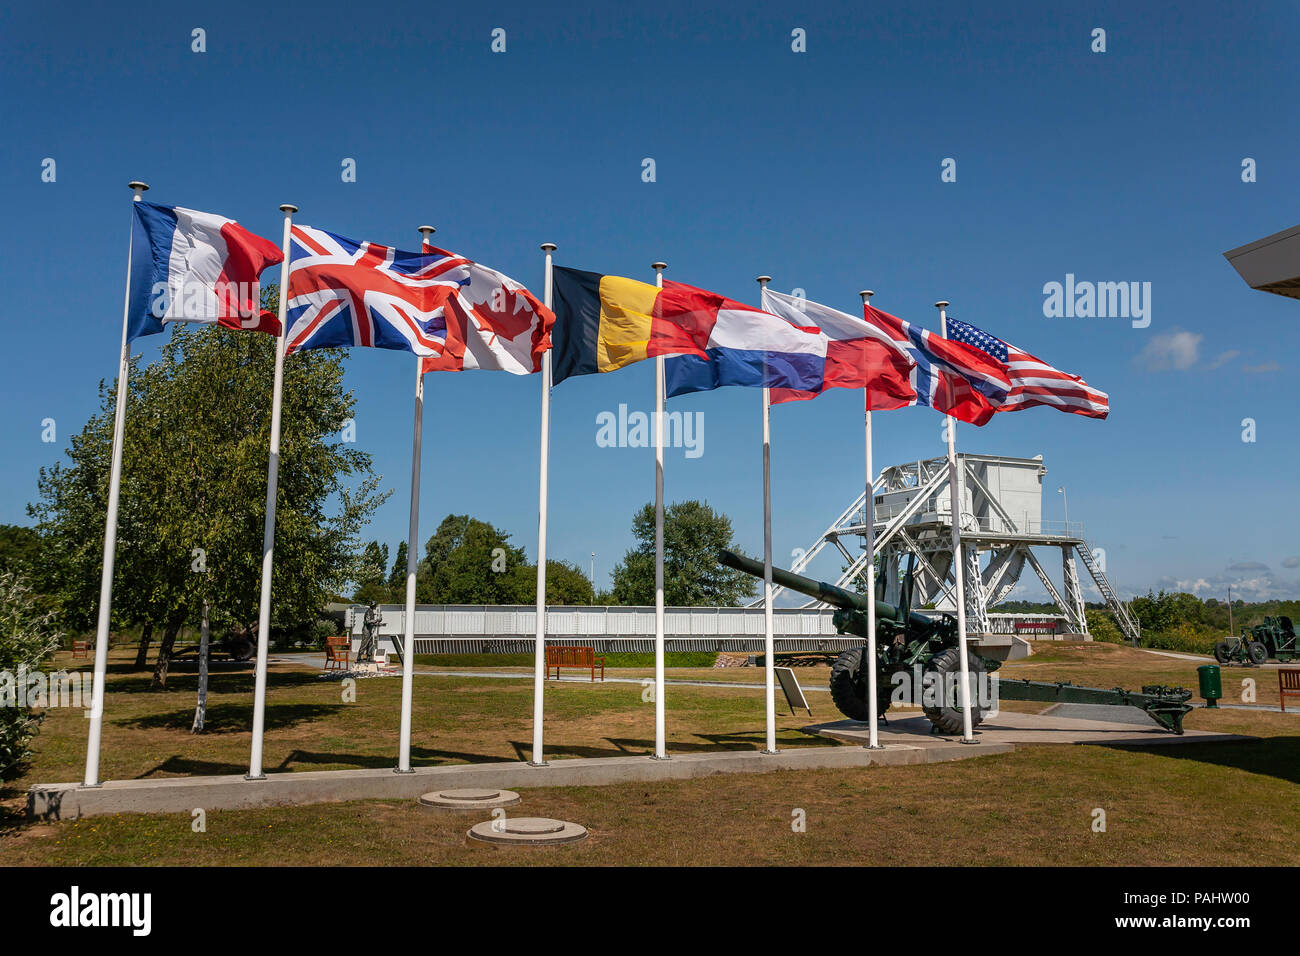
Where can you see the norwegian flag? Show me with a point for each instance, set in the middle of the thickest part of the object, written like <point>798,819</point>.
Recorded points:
<point>1033,381</point>
<point>949,376</point>
<point>453,313</point>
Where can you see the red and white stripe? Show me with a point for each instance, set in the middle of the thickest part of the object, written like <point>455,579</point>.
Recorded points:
<point>1034,382</point>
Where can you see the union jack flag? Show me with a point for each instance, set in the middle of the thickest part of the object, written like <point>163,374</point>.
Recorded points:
<point>453,313</point>
<point>1033,381</point>
<point>949,376</point>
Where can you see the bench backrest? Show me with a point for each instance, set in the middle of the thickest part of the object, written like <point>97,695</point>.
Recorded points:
<point>333,645</point>
<point>570,656</point>
<point>1289,678</point>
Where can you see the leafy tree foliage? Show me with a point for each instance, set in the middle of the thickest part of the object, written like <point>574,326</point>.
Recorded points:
<point>27,637</point>
<point>471,562</point>
<point>194,486</point>
<point>371,575</point>
<point>397,576</point>
<point>19,548</point>
<point>693,534</point>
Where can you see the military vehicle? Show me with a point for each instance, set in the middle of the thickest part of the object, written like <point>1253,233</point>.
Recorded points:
<point>911,646</point>
<point>1275,638</point>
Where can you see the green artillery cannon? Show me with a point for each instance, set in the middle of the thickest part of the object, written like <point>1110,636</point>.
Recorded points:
<point>923,651</point>
<point>1274,638</point>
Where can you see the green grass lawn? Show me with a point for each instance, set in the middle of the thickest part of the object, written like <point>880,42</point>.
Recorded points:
<point>1199,804</point>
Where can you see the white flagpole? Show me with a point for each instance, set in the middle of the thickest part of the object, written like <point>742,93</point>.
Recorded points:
<point>769,643</point>
<point>869,521</point>
<point>110,521</point>
<point>412,557</point>
<point>661,752</point>
<point>268,528</point>
<point>958,570</point>
<point>539,649</point>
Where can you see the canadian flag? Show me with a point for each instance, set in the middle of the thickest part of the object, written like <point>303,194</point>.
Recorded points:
<point>493,322</point>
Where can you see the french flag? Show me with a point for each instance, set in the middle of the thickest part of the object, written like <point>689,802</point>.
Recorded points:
<point>744,345</point>
<point>858,354</point>
<point>190,266</point>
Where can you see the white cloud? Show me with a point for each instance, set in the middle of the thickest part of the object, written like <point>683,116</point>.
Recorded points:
<point>1177,350</point>
<point>1224,358</point>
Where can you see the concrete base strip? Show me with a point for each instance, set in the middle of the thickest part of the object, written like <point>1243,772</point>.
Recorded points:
<point>184,794</point>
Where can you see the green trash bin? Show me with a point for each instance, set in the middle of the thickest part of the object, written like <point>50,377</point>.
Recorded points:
<point>1211,681</point>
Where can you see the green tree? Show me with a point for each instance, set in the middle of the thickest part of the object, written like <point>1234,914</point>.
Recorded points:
<point>471,562</point>
<point>371,575</point>
<point>397,576</point>
<point>19,548</point>
<point>194,486</point>
<point>566,585</point>
<point>27,637</point>
<point>693,534</point>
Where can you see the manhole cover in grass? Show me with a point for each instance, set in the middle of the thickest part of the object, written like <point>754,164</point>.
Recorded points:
<point>527,830</point>
<point>468,799</point>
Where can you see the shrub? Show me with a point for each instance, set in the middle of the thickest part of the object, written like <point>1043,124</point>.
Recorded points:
<point>27,637</point>
<point>1102,627</point>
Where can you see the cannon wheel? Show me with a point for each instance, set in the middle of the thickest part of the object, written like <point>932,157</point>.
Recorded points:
<point>1222,652</point>
<point>1257,651</point>
<point>948,720</point>
<point>850,694</point>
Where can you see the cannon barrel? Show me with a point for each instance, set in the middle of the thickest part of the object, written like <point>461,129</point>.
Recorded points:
<point>832,595</point>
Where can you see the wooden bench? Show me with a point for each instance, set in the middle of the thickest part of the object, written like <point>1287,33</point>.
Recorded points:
<point>80,649</point>
<point>582,657</point>
<point>1288,683</point>
<point>1044,626</point>
<point>338,653</point>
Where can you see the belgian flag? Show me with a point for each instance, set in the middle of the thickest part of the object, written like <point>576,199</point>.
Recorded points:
<point>604,322</point>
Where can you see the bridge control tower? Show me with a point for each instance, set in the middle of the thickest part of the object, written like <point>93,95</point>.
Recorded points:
<point>1002,526</point>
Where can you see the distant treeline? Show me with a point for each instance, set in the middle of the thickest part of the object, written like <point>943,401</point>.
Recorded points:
<point>1173,620</point>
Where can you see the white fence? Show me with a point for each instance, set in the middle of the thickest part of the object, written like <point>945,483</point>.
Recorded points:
<point>488,629</point>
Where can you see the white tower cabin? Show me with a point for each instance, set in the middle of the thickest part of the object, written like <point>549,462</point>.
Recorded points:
<point>1001,526</point>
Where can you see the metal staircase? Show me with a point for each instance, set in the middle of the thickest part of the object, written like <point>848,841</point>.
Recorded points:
<point>1127,623</point>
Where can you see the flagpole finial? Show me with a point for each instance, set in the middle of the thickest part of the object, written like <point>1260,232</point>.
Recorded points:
<point>549,247</point>
<point>658,266</point>
<point>941,304</point>
<point>763,280</point>
<point>866,295</point>
<point>138,187</point>
<point>288,208</point>
<point>425,231</point>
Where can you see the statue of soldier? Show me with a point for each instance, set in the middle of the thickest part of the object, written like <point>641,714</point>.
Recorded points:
<point>369,633</point>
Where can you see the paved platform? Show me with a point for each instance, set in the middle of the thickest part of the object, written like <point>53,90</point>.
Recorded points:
<point>184,794</point>
<point>1015,728</point>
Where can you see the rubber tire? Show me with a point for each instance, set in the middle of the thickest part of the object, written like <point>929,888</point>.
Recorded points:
<point>240,649</point>
<point>1257,651</point>
<point>948,720</point>
<point>849,696</point>
<point>1222,653</point>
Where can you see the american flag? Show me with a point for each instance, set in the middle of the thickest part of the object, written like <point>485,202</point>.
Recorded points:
<point>1033,381</point>
<point>949,376</point>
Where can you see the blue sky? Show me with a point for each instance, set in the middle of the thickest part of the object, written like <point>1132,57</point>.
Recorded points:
<point>820,168</point>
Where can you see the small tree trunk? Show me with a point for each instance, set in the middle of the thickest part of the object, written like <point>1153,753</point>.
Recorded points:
<point>201,709</point>
<point>142,655</point>
<point>165,655</point>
